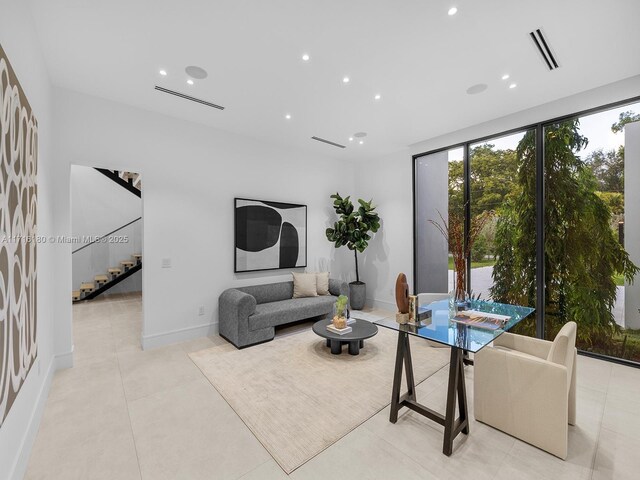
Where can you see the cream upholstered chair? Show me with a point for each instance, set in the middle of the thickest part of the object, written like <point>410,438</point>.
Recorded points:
<point>526,387</point>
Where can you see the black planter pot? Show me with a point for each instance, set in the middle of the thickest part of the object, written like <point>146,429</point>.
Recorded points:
<point>357,295</point>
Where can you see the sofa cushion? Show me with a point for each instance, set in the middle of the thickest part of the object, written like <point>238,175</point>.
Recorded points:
<point>286,311</point>
<point>304,285</point>
<point>322,283</point>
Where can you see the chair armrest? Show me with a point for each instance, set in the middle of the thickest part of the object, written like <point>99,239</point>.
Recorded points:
<point>524,396</point>
<point>338,287</point>
<point>532,346</point>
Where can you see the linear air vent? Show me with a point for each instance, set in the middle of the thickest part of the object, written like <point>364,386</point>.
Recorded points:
<point>543,48</point>
<point>188,97</point>
<point>328,142</point>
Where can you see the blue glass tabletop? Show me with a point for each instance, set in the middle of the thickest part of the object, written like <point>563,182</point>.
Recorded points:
<point>442,325</point>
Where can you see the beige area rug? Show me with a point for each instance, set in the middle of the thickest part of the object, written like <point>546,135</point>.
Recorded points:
<point>298,399</point>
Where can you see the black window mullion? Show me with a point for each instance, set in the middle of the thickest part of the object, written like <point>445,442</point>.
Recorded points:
<point>540,207</point>
<point>466,166</point>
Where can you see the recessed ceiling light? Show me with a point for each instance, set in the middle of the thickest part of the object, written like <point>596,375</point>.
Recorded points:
<point>190,82</point>
<point>351,139</point>
<point>306,57</point>
<point>196,72</point>
<point>378,97</point>
<point>346,80</point>
<point>505,76</point>
<point>163,73</point>
<point>452,11</point>
<point>361,142</point>
<point>513,85</point>
<point>287,116</point>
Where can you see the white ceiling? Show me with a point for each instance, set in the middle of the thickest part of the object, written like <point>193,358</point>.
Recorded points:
<point>410,51</point>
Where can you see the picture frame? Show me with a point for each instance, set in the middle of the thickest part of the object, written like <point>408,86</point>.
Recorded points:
<point>269,235</point>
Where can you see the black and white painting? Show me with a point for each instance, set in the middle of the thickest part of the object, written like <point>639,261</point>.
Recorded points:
<point>269,235</point>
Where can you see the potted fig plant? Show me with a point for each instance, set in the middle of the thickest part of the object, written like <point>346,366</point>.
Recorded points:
<point>352,229</point>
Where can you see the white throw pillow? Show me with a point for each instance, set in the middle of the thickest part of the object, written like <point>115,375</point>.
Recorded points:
<point>322,283</point>
<point>304,285</point>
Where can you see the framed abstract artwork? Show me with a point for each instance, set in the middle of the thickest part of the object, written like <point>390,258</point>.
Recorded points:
<point>18,268</point>
<point>269,235</point>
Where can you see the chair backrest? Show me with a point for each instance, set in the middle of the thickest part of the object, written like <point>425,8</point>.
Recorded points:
<point>563,346</point>
<point>427,298</point>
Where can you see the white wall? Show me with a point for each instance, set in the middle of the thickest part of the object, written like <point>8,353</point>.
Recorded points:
<point>17,433</point>
<point>98,206</point>
<point>632,220</point>
<point>388,180</point>
<point>191,175</point>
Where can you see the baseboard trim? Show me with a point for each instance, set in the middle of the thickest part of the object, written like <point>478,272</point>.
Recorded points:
<point>19,468</point>
<point>174,336</point>
<point>372,302</point>
<point>64,360</point>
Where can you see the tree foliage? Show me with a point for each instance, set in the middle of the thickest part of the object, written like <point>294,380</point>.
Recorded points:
<point>353,226</point>
<point>623,119</point>
<point>581,252</point>
<point>608,169</point>
<point>493,179</point>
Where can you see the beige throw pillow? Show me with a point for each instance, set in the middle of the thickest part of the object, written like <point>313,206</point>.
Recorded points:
<point>304,285</point>
<point>322,283</point>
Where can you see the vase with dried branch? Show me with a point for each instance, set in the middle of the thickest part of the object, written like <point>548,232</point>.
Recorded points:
<point>453,232</point>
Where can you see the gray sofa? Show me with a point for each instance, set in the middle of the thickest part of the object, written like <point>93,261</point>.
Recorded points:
<point>248,315</point>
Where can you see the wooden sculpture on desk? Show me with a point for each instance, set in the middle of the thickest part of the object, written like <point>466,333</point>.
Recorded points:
<point>402,299</point>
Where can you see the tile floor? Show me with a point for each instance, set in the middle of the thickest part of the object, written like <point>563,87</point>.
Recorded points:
<point>122,413</point>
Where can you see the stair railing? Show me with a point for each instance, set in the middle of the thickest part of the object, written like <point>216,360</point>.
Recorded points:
<point>105,260</point>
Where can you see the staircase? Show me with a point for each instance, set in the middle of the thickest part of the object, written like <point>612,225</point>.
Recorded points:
<point>128,180</point>
<point>101,283</point>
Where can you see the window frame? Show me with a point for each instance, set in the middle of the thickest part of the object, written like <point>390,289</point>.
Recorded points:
<point>540,204</point>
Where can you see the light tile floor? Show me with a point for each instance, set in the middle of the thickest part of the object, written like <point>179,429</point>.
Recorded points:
<point>122,413</point>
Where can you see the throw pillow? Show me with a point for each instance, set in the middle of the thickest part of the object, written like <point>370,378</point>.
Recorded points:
<point>304,285</point>
<point>322,283</point>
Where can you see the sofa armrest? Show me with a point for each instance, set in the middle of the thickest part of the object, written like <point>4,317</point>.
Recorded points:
<point>234,309</point>
<point>529,345</point>
<point>338,287</point>
<point>233,301</point>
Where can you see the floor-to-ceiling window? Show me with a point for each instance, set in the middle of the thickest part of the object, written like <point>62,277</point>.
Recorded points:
<point>586,263</point>
<point>564,251</point>
<point>502,173</point>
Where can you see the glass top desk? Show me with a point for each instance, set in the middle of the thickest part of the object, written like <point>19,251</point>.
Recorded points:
<point>461,338</point>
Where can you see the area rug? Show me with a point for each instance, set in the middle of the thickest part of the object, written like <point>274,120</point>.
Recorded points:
<point>298,399</point>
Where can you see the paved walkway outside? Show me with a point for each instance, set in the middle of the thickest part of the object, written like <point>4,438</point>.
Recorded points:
<point>481,281</point>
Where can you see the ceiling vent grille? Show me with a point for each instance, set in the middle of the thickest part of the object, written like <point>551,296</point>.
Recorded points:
<point>188,97</point>
<point>543,48</point>
<point>328,142</point>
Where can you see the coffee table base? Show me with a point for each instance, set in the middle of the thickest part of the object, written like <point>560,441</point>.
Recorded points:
<point>336,346</point>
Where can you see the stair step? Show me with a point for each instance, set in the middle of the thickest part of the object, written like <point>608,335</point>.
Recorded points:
<point>114,271</point>
<point>101,278</point>
<point>137,255</point>
<point>127,262</point>
<point>75,295</point>
<point>87,287</point>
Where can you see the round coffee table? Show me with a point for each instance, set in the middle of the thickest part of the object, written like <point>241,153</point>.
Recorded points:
<point>361,330</point>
